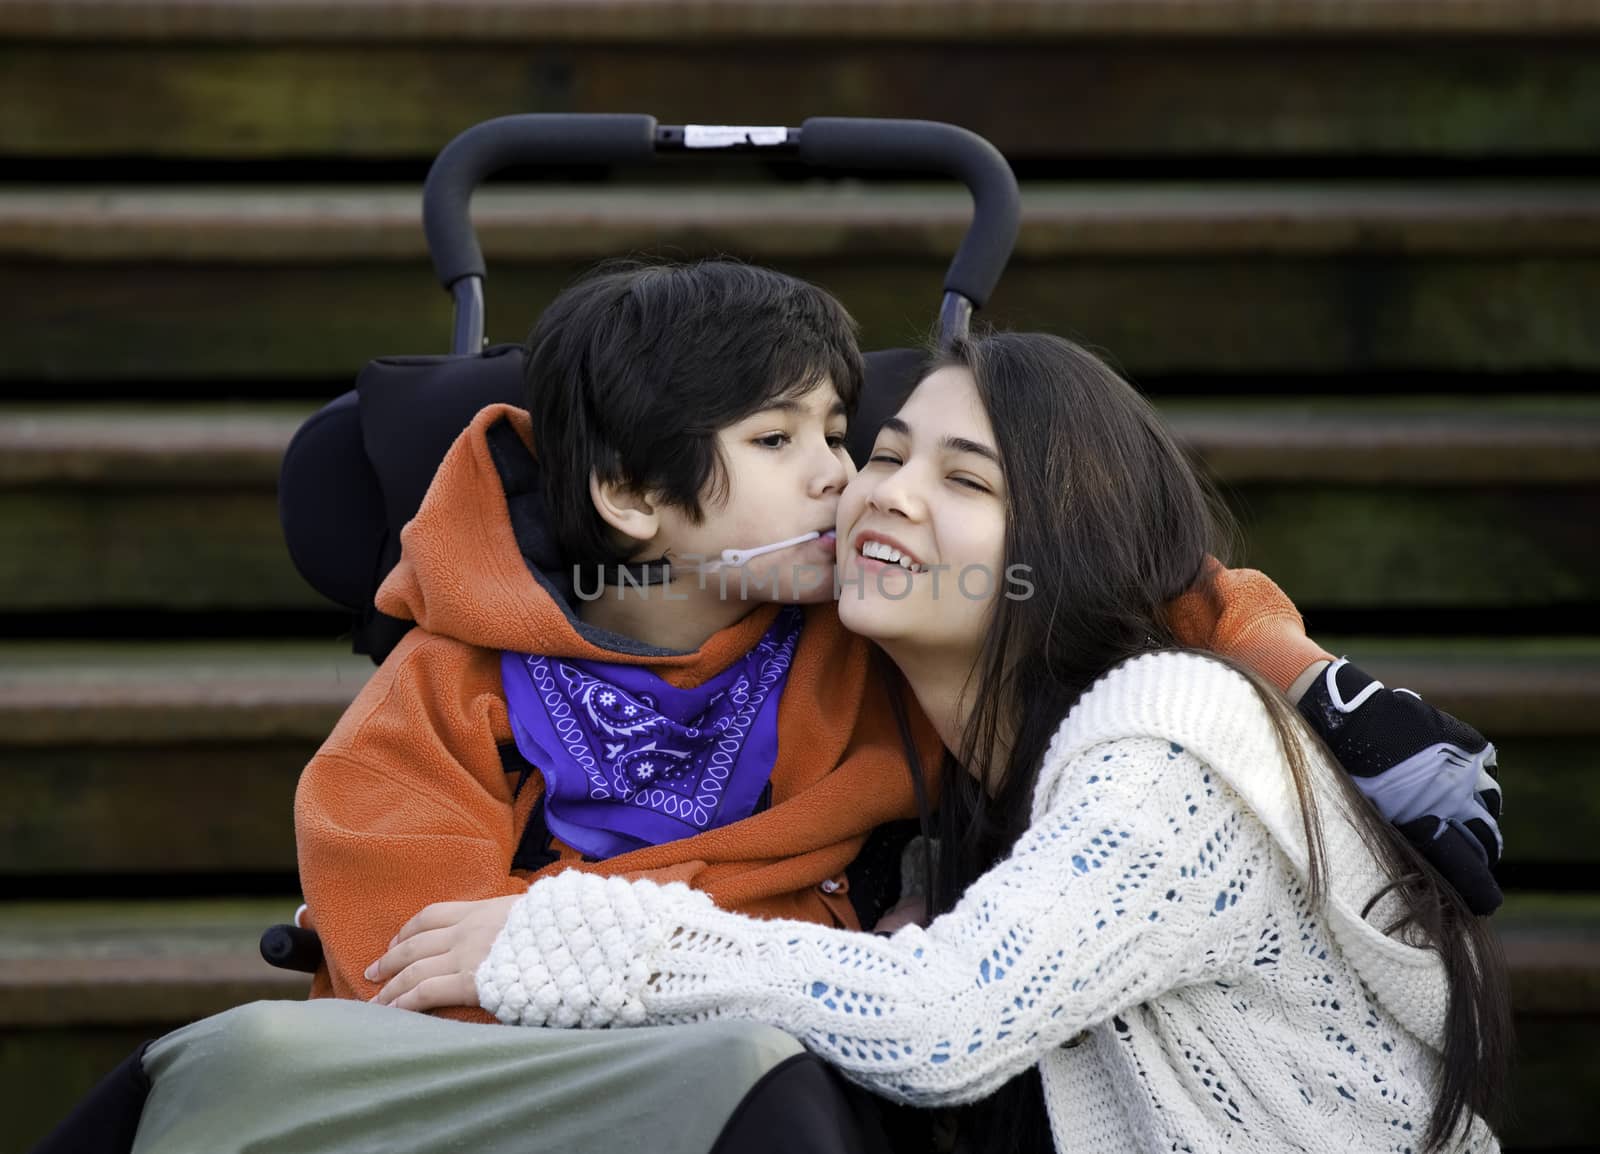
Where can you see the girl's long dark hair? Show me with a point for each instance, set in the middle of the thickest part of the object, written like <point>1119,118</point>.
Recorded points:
<point>1112,523</point>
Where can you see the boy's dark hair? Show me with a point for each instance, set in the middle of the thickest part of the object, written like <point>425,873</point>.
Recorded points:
<point>632,371</point>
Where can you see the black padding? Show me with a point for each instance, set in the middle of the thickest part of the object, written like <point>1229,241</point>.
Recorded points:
<point>926,146</point>
<point>413,409</point>
<point>528,139</point>
<point>891,375</point>
<point>330,505</point>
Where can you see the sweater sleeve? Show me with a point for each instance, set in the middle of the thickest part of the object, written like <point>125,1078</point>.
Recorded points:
<point>1242,614</point>
<point>406,804</point>
<point>1145,875</point>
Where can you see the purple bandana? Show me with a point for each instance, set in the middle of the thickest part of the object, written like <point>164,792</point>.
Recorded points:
<point>630,761</point>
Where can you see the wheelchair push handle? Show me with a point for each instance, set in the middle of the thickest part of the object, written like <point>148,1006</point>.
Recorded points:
<point>484,149</point>
<point>926,146</point>
<point>920,146</point>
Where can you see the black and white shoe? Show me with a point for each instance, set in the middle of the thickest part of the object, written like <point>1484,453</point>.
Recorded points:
<point>1430,774</point>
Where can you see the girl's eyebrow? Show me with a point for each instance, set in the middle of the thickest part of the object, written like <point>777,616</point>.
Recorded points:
<point>955,444</point>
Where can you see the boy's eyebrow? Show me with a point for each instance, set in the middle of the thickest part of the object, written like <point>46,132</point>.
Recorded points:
<point>956,444</point>
<point>789,405</point>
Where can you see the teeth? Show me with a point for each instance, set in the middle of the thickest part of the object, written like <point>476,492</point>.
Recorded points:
<point>878,551</point>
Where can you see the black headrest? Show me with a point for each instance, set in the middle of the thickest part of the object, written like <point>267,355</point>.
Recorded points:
<point>358,468</point>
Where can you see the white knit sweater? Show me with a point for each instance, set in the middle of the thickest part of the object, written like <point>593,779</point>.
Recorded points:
<point>1149,944</point>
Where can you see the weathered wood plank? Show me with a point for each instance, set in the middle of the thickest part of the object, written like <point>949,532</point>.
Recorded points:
<point>100,809</point>
<point>1170,279</point>
<point>114,810</point>
<point>109,745</point>
<point>180,548</point>
<point>1128,97</point>
<point>83,693</point>
<point>81,984</point>
<point>685,21</point>
<point>1221,315</point>
<point>1440,440</point>
<point>311,225</point>
<point>1333,545</point>
<point>1388,545</point>
<point>146,445</point>
<point>1436,97</point>
<point>1506,686</point>
<point>103,963</point>
<point>110,963</point>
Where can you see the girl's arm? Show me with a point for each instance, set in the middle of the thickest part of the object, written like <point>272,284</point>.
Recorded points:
<point>1145,875</point>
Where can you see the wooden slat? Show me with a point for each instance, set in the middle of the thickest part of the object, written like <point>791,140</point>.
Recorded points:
<point>1444,440</point>
<point>1179,316</point>
<point>180,548</point>
<point>685,20</point>
<point>1403,547</point>
<point>809,222</point>
<point>151,446</point>
<point>1526,687</point>
<point>106,963</point>
<point>106,744</point>
<point>85,810</point>
<point>82,984</point>
<point>112,810</point>
<point>1382,502</point>
<point>1373,546</point>
<point>1309,279</point>
<point>1391,440</point>
<point>1435,97</point>
<point>56,693</point>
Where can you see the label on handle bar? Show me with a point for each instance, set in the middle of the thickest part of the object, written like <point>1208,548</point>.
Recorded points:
<point>732,135</point>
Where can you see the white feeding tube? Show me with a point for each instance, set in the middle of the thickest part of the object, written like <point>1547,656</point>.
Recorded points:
<point>737,557</point>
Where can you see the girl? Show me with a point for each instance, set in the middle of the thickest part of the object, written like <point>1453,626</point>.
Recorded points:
<point>1164,922</point>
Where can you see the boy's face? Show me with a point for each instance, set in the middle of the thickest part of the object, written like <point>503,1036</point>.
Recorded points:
<point>785,468</point>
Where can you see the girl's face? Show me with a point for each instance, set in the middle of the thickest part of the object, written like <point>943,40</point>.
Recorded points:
<point>921,540</point>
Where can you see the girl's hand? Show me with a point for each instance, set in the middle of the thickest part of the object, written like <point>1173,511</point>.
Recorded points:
<point>432,961</point>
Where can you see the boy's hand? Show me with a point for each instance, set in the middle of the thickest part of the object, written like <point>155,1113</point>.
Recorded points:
<point>1431,775</point>
<point>431,962</point>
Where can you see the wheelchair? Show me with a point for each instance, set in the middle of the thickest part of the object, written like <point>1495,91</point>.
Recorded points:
<point>356,470</point>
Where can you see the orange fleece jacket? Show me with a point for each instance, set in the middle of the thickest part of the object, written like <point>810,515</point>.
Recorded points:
<point>407,802</point>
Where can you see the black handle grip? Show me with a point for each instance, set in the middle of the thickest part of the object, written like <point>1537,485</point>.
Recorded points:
<point>920,146</point>
<point>930,147</point>
<point>486,148</point>
<point>289,947</point>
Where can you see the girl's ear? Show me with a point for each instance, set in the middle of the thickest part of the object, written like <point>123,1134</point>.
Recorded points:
<point>625,509</point>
